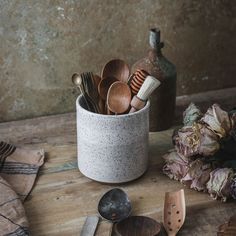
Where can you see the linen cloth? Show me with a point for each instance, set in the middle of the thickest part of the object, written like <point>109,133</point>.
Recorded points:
<point>18,170</point>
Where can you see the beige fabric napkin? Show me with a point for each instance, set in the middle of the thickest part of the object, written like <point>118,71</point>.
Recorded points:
<point>18,170</point>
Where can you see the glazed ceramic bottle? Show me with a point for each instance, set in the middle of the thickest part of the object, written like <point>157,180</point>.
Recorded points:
<point>162,109</point>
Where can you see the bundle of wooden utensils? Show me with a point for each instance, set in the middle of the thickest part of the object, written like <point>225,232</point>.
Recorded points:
<point>116,91</point>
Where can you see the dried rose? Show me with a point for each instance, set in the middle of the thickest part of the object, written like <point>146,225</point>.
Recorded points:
<point>175,166</point>
<point>196,139</point>
<point>219,184</point>
<point>191,115</point>
<point>233,188</point>
<point>232,115</point>
<point>233,133</point>
<point>198,175</point>
<point>218,120</point>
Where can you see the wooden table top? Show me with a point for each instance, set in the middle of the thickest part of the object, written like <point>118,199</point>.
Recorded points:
<point>63,197</point>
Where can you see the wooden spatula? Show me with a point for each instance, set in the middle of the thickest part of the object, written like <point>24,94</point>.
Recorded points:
<point>174,211</point>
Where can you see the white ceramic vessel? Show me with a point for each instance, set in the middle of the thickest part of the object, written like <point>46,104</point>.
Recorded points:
<point>112,148</point>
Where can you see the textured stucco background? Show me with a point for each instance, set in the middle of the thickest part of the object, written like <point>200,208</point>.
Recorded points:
<point>44,42</point>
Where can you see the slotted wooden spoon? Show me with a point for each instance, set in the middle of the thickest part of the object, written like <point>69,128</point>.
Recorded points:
<point>174,211</point>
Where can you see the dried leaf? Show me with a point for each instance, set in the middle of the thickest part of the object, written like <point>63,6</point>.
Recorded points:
<point>176,166</point>
<point>233,188</point>
<point>191,115</point>
<point>219,185</point>
<point>198,175</point>
<point>218,120</point>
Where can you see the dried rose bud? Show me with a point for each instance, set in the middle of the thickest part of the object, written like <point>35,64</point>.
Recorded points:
<point>191,115</point>
<point>196,139</point>
<point>219,185</point>
<point>218,120</point>
<point>198,175</point>
<point>175,166</point>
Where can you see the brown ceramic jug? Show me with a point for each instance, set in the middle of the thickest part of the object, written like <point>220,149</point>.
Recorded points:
<point>162,109</point>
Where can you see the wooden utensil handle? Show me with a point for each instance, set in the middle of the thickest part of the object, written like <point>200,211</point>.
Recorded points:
<point>171,234</point>
<point>110,229</point>
<point>136,104</point>
<point>132,110</point>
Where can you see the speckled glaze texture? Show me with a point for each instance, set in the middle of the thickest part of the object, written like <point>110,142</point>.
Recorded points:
<point>112,149</point>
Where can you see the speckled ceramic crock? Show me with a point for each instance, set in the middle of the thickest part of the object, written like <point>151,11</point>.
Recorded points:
<point>112,149</point>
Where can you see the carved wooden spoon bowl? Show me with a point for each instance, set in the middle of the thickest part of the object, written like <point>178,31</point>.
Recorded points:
<point>174,211</point>
<point>114,205</point>
<point>119,97</point>
<point>116,68</point>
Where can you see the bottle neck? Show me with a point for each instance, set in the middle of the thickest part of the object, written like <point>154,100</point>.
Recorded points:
<point>155,52</point>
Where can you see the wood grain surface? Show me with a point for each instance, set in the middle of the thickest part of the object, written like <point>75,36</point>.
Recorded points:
<point>63,197</point>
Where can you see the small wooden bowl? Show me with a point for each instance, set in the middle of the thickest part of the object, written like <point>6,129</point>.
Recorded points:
<point>138,226</point>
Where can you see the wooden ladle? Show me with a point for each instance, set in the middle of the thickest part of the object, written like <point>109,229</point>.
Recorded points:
<point>174,211</point>
<point>118,97</point>
<point>116,68</point>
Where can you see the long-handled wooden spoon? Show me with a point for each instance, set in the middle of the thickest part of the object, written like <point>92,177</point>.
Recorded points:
<point>174,211</point>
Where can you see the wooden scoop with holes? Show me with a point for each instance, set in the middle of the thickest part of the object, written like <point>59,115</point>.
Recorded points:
<point>174,211</point>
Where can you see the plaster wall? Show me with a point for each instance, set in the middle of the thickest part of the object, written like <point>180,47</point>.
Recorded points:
<point>43,42</point>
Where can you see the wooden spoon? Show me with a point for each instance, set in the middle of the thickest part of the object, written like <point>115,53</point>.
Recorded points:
<point>104,86</point>
<point>119,97</point>
<point>174,211</point>
<point>138,226</point>
<point>114,206</point>
<point>96,80</point>
<point>116,68</point>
